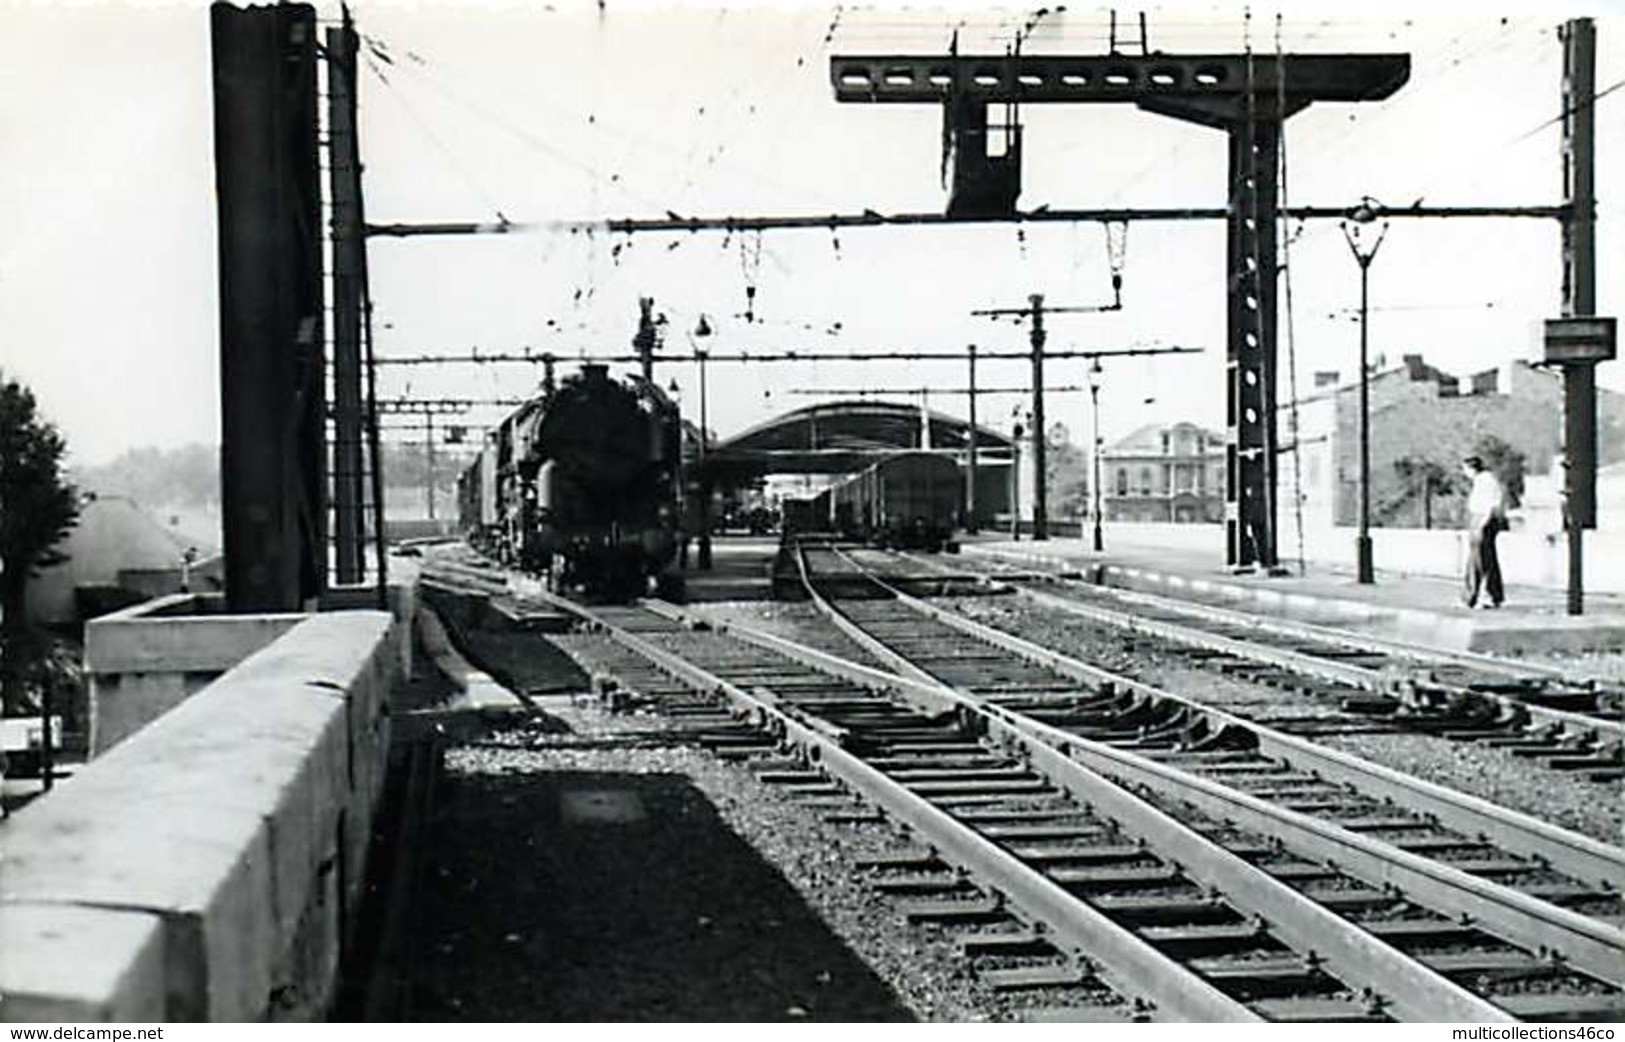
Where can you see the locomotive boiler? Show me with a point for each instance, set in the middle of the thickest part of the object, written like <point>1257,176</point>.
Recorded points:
<point>583,486</point>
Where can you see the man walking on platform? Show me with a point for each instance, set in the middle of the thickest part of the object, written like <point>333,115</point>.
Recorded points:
<point>1486,519</point>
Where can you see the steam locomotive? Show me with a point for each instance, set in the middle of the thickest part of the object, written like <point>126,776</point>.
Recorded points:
<point>582,485</point>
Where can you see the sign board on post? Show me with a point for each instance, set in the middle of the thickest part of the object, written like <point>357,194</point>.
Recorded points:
<point>1579,340</point>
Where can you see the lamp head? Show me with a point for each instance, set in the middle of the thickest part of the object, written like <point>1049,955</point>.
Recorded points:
<point>1366,212</point>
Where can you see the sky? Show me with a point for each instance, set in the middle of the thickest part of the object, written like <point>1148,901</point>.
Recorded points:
<point>568,112</point>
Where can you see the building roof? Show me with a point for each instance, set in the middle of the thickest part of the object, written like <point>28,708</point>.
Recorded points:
<point>1148,438</point>
<point>113,535</point>
<point>836,437</point>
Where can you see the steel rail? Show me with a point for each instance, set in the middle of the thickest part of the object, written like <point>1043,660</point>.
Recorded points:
<point>1354,956</point>
<point>1612,730</point>
<point>1511,707</point>
<point>1415,991</point>
<point>1577,724</point>
<point>1576,855</point>
<point>1588,943</point>
<point>1129,964</point>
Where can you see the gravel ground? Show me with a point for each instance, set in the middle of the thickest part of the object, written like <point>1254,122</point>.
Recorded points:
<point>1496,775</point>
<point>1111,649</point>
<point>728,901</point>
<point>1491,774</point>
<point>794,620</point>
<point>1602,665</point>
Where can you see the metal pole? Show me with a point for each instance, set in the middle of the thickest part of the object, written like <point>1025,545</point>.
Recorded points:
<point>47,756</point>
<point>272,400</point>
<point>1365,571</point>
<point>344,179</point>
<point>705,486</point>
<point>644,338</point>
<point>1094,400</point>
<point>870,219</point>
<point>429,460</point>
<point>1364,566</point>
<point>1579,292</point>
<point>1015,484</point>
<point>1040,434</point>
<point>970,478</point>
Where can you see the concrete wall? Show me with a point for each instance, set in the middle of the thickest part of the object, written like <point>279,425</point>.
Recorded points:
<point>204,868</point>
<point>143,661</point>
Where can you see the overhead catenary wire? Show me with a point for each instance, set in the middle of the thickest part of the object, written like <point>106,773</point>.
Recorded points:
<point>477,357</point>
<point>1004,23</point>
<point>450,156</point>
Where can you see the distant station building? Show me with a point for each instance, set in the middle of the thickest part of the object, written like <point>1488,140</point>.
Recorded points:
<point>1423,422</point>
<point>1171,473</point>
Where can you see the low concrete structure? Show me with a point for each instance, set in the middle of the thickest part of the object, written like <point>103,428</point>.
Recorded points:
<point>50,973</point>
<point>204,869</point>
<point>143,661</point>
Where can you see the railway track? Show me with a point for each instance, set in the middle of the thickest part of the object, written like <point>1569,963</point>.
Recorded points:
<point>1568,725</point>
<point>1530,885</point>
<point>1063,880</point>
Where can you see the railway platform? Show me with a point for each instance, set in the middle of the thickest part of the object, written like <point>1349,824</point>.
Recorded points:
<point>1421,609</point>
<point>741,569</point>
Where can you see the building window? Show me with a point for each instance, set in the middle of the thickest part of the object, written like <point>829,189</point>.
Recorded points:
<point>1165,443</point>
<point>1122,481</point>
<point>1145,481</point>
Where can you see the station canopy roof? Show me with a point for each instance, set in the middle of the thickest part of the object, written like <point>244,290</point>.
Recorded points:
<point>841,437</point>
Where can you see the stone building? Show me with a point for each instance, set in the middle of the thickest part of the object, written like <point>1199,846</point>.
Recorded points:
<point>1164,473</point>
<point>1423,421</point>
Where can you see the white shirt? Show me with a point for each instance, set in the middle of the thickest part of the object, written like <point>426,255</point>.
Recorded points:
<point>1485,499</point>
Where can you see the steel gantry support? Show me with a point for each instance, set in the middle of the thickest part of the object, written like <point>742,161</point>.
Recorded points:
<point>1580,340</point>
<point>349,242</point>
<point>1580,261</point>
<point>971,523</point>
<point>272,387</point>
<point>1249,97</point>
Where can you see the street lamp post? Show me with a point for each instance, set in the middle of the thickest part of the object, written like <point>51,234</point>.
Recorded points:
<point>1095,375</point>
<point>705,477</point>
<point>1365,571</point>
<point>675,393</point>
<point>1016,433</point>
<point>703,329</point>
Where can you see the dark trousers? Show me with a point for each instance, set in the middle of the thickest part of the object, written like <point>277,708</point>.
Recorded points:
<point>1483,565</point>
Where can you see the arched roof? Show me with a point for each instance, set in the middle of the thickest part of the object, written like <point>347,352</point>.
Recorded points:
<point>836,437</point>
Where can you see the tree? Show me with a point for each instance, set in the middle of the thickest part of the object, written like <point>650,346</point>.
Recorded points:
<point>1506,463</point>
<point>1068,469</point>
<point>1424,478</point>
<point>37,509</point>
